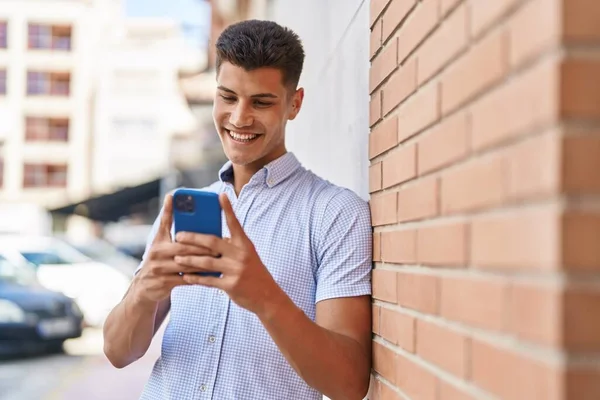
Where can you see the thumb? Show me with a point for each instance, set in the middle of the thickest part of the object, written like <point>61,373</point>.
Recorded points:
<point>166,220</point>
<point>235,229</point>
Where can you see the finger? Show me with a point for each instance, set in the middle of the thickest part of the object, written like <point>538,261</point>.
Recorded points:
<point>209,281</point>
<point>216,245</point>
<point>235,228</point>
<point>204,263</point>
<point>171,268</point>
<point>166,251</point>
<point>166,220</point>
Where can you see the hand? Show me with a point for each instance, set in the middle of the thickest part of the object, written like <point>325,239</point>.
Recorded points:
<point>160,273</point>
<point>244,277</point>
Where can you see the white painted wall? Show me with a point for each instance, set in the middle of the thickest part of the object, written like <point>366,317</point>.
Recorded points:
<point>330,135</point>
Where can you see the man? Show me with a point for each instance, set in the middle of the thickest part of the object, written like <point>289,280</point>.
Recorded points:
<point>290,317</point>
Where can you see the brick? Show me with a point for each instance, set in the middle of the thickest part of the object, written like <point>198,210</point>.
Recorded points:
<point>376,319</point>
<point>511,375</point>
<point>422,21</point>
<point>443,245</point>
<point>383,392</point>
<point>444,45</point>
<point>449,392</point>
<point>384,209</point>
<point>395,14</point>
<point>418,201</point>
<point>478,69</point>
<point>443,347</point>
<point>534,167</point>
<point>400,166</point>
<point>401,85</point>
<point>375,108</point>
<point>418,292</point>
<point>447,5</point>
<point>580,249</point>
<point>581,322</point>
<point>530,99</point>
<point>384,362</point>
<point>445,144</point>
<point>524,239</point>
<point>583,383</point>
<point>476,185</point>
<point>376,246</point>
<point>475,301</point>
<point>399,246</point>
<point>383,65</point>
<point>384,285</point>
<point>398,329</point>
<point>581,154</point>
<point>375,175</point>
<point>418,112</point>
<point>383,137</point>
<point>377,6</point>
<point>536,313</point>
<point>580,95</point>
<point>580,21</point>
<point>375,39</point>
<point>415,381</point>
<point>527,40</point>
<point>485,13</point>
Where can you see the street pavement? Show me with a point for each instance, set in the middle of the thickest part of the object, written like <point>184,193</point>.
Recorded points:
<point>81,373</point>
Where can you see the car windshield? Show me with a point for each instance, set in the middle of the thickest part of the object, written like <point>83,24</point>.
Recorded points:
<point>22,274</point>
<point>58,254</point>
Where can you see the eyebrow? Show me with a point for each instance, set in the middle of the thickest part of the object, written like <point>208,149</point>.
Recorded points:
<point>258,95</point>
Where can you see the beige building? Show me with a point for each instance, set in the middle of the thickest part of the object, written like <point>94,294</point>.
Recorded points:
<point>46,69</point>
<point>139,108</point>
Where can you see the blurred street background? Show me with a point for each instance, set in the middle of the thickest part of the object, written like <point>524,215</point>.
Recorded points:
<point>105,105</point>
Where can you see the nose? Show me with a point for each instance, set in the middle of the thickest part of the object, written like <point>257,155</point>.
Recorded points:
<point>241,117</point>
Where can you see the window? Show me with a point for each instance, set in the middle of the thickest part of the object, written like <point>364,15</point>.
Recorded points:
<point>2,82</point>
<point>46,129</point>
<point>45,175</point>
<point>48,83</point>
<point>3,35</point>
<point>49,37</point>
<point>1,164</point>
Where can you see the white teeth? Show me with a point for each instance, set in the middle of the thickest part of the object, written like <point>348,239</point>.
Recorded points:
<point>242,137</point>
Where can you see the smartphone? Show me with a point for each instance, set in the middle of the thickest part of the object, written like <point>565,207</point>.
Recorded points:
<point>199,212</point>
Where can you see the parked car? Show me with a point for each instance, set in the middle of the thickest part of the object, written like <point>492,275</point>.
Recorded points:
<point>32,317</point>
<point>95,286</point>
<point>102,251</point>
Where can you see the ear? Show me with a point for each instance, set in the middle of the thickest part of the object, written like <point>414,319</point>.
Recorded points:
<point>297,99</point>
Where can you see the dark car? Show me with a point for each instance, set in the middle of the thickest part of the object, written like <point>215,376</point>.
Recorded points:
<point>33,318</point>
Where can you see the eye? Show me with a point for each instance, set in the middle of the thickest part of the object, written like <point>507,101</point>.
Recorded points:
<point>259,103</point>
<point>228,99</point>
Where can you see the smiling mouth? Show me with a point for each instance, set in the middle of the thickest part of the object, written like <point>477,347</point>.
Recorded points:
<point>242,137</point>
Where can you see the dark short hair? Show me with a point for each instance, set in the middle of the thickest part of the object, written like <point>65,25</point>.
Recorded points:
<point>254,44</point>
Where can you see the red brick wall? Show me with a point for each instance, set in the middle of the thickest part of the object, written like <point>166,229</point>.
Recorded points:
<point>485,181</point>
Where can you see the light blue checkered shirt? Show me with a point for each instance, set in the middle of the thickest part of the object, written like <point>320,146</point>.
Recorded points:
<point>315,239</point>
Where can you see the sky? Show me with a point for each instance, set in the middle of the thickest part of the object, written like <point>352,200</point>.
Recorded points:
<point>194,15</point>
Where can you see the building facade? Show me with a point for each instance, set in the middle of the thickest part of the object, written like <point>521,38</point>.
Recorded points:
<point>46,66</point>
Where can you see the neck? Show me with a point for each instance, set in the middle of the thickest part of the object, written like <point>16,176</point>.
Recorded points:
<point>243,173</point>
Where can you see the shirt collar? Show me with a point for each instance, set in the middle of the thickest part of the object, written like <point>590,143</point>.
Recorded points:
<point>273,173</point>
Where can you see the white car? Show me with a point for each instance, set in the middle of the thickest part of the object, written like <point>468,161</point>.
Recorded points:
<point>95,287</point>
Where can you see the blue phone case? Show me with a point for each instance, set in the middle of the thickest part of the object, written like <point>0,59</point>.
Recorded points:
<point>197,211</point>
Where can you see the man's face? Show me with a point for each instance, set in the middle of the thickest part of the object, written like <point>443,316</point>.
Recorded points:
<point>251,109</point>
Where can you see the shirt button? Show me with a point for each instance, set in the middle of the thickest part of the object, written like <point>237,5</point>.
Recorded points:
<point>203,387</point>
<point>220,292</point>
<point>212,339</point>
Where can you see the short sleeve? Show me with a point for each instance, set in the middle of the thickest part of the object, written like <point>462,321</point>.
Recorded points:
<point>344,253</point>
<point>149,240</point>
